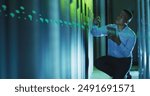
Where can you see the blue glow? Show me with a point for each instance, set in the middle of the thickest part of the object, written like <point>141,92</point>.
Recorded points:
<point>17,11</point>
<point>22,8</point>
<point>12,15</point>
<point>67,23</point>
<point>4,7</point>
<point>30,17</point>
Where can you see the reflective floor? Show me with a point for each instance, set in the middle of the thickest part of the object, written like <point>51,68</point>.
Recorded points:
<point>134,74</point>
<point>97,74</point>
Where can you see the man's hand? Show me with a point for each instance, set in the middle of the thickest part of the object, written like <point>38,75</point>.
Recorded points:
<point>113,36</point>
<point>97,21</point>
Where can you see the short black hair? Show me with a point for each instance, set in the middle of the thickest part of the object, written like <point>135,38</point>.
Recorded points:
<point>129,13</point>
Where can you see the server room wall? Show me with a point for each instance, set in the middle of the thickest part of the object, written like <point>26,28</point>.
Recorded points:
<point>45,38</point>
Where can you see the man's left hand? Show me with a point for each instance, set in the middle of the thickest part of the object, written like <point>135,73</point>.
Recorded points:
<point>114,38</point>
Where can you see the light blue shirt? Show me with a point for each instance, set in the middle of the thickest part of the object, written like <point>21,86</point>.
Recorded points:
<point>127,37</point>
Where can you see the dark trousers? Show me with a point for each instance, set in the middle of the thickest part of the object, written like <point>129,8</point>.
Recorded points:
<point>115,67</point>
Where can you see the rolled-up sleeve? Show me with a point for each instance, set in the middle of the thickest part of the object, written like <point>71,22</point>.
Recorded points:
<point>97,32</point>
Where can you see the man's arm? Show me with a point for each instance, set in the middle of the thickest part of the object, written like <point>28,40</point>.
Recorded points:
<point>126,49</point>
<point>97,32</point>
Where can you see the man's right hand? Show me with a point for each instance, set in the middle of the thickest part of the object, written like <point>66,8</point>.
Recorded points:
<point>97,21</point>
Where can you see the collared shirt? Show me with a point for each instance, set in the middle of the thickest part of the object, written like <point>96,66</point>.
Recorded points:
<point>127,37</point>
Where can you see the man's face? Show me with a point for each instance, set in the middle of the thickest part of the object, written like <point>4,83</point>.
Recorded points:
<point>122,18</point>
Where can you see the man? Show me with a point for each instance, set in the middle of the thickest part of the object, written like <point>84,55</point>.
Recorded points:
<point>121,41</point>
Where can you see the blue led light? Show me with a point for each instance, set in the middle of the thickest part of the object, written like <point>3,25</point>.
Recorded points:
<point>12,15</point>
<point>4,7</point>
